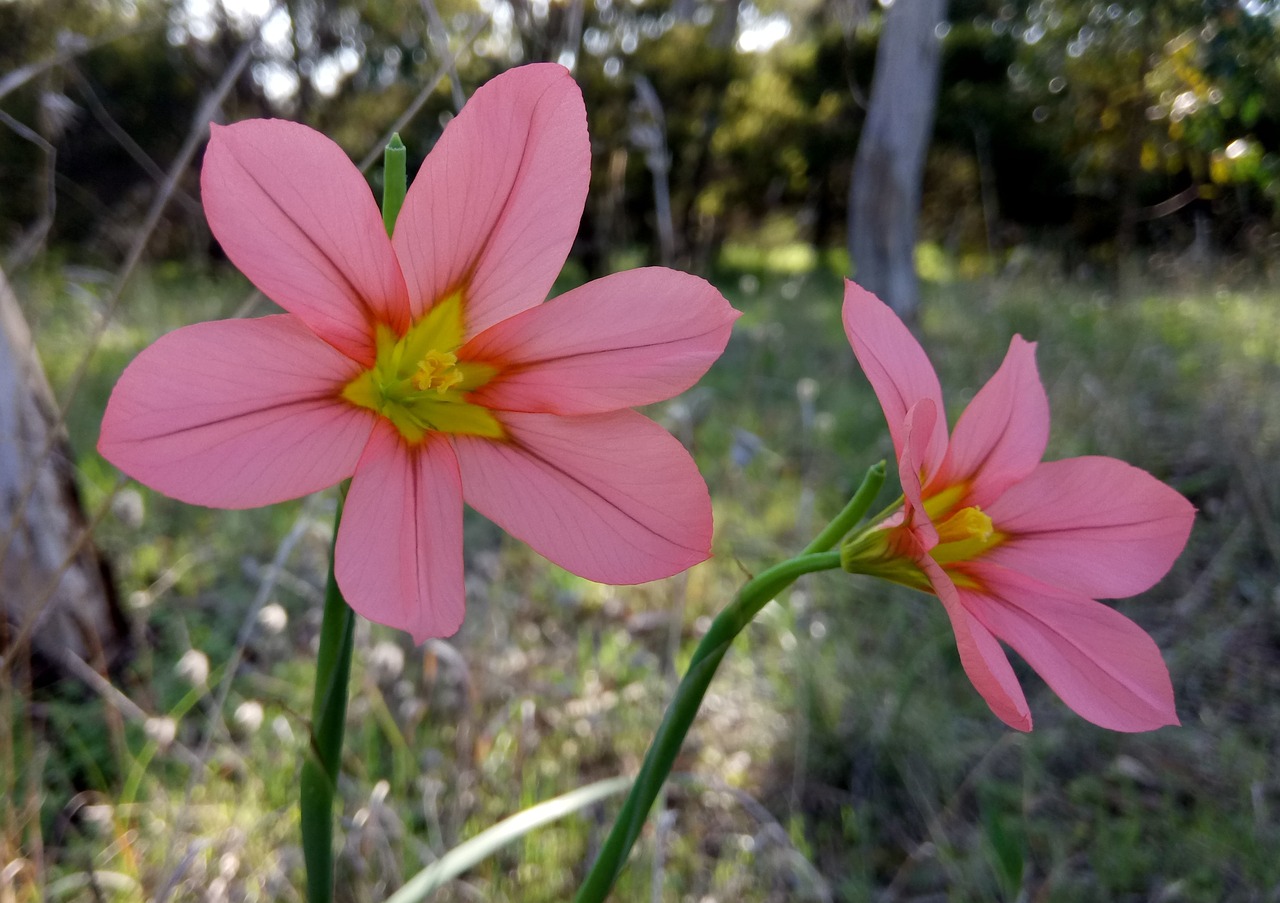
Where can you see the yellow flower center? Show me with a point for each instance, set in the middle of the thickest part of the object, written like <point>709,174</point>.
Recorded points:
<point>965,535</point>
<point>439,371</point>
<point>889,552</point>
<point>419,384</point>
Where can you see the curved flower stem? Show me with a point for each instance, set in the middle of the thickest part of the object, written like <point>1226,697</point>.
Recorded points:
<point>318,783</point>
<point>853,512</point>
<point>753,596</point>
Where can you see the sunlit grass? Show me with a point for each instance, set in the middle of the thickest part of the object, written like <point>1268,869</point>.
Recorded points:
<point>841,754</point>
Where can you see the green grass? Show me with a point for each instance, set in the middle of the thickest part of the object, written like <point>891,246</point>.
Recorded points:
<point>841,738</point>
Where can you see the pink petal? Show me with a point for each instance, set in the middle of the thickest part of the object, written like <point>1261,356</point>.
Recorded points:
<point>1094,526</point>
<point>295,215</point>
<point>611,497</point>
<point>1002,434</point>
<point>1100,663</point>
<point>918,427</point>
<point>632,338</point>
<point>897,367</point>
<point>399,555</point>
<point>236,414</point>
<point>496,205</point>
<point>984,661</point>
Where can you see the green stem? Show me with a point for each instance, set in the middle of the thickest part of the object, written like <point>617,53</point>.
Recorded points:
<point>394,181</point>
<point>853,512</point>
<point>753,596</point>
<point>319,781</point>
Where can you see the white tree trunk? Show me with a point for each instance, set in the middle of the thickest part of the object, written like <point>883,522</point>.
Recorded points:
<point>884,194</point>
<point>50,574</point>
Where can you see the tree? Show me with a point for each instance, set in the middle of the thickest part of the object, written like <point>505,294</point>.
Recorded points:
<point>1162,110</point>
<point>884,195</point>
<point>54,585</point>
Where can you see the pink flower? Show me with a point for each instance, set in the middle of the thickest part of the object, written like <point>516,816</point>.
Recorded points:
<point>427,367</point>
<point>1015,548</point>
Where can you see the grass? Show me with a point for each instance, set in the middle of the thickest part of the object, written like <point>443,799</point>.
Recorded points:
<point>841,754</point>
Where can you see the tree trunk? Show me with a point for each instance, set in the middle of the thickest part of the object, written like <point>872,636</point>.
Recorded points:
<point>52,583</point>
<point>884,194</point>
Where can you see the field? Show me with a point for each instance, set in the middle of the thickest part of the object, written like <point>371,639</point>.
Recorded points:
<point>841,755</point>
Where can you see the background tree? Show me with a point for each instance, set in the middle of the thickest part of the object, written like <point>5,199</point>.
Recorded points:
<point>884,197</point>
<point>55,593</point>
<point>1161,111</point>
<point>1085,131</point>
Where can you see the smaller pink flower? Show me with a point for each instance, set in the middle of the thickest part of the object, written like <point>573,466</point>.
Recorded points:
<point>427,367</point>
<point>1016,548</point>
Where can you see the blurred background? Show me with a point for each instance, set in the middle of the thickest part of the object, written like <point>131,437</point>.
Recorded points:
<point>1099,177</point>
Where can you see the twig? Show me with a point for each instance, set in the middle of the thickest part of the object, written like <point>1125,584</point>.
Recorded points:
<point>770,827</point>
<point>28,626</point>
<point>439,35</point>
<point>649,134</point>
<point>125,140</point>
<point>1169,205</point>
<point>78,667</point>
<point>926,848</point>
<point>428,87</point>
<point>30,243</point>
<point>73,46</point>
<point>197,847</point>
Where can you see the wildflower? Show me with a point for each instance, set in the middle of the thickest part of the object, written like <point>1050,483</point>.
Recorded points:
<point>427,367</point>
<point>1015,548</point>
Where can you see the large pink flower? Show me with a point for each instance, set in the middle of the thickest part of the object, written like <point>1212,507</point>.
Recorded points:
<point>1015,548</point>
<point>428,367</point>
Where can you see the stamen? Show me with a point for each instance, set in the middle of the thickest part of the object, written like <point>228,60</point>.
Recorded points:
<point>965,535</point>
<point>418,383</point>
<point>967,523</point>
<point>437,370</point>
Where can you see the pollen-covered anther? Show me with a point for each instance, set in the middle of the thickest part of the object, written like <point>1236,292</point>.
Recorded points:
<point>965,535</point>
<point>967,523</point>
<point>437,370</point>
<point>419,386</point>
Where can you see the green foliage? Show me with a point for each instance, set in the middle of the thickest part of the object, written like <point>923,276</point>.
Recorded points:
<point>1112,125</point>
<point>1149,98</point>
<point>841,739</point>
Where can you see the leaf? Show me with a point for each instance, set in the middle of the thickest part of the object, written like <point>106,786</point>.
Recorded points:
<point>470,853</point>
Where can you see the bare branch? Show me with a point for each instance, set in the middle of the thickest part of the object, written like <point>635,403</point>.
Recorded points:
<point>28,246</point>
<point>428,87</point>
<point>125,140</point>
<point>437,34</point>
<point>73,46</point>
<point>78,667</point>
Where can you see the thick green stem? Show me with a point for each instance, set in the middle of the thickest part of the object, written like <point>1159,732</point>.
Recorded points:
<point>319,781</point>
<point>753,596</point>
